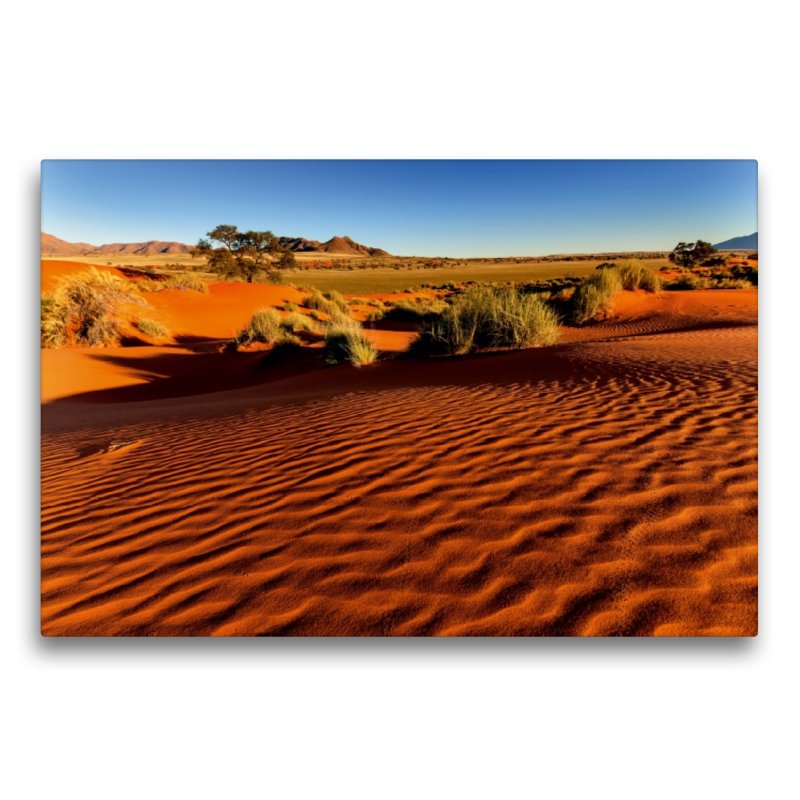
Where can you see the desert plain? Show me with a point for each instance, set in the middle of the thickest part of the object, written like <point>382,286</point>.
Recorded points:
<point>604,485</point>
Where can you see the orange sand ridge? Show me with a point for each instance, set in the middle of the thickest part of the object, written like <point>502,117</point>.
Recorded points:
<point>604,486</point>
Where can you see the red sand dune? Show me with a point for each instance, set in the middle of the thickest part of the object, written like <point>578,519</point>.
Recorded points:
<point>52,270</point>
<point>226,308</point>
<point>604,486</point>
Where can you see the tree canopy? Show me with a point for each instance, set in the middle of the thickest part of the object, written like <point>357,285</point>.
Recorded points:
<point>685,254</point>
<point>244,255</point>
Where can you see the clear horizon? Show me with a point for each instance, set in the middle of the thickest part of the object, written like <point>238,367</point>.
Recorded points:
<point>428,208</point>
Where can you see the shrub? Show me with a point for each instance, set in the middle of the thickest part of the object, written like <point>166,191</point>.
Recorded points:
<point>47,305</point>
<point>715,261</point>
<point>153,329</point>
<point>731,283</point>
<point>635,275</point>
<point>265,327</point>
<point>338,301</point>
<point>288,339</point>
<point>290,307</point>
<point>88,309</point>
<point>297,322</point>
<point>563,295</point>
<point>150,286</point>
<point>686,282</point>
<point>316,301</point>
<point>485,318</point>
<point>344,341</point>
<point>595,295</point>
<point>186,283</point>
<point>411,311</point>
<point>329,303</point>
<point>376,315</point>
<point>746,273</point>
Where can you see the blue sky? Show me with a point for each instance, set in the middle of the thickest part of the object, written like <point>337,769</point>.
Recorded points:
<point>432,208</point>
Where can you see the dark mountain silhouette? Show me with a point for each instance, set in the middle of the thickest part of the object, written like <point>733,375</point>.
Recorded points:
<point>338,245</point>
<point>300,245</point>
<point>740,243</point>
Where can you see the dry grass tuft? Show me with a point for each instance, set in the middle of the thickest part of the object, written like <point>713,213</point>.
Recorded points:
<point>296,321</point>
<point>153,329</point>
<point>186,283</point>
<point>89,309</point>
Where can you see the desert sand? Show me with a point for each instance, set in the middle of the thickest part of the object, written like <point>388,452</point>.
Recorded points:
<point>603,486</point>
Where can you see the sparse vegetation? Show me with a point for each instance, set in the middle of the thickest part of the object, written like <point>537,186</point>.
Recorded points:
<point>338,301</point>
<point>329,303</point>
<point>345,341</point>
<point>88,309</point>
<point>151,328</point>
<point>186,283</point>
<point>595,296</point>
<point>635,275</point>
<point>150,286</point>
<point>416,311</point>
<point>265,327</point>
<point>485,318</point>
<point>686,282</point>
<point>47,305</point>
<point>730,283</point>
<point>296,321</point>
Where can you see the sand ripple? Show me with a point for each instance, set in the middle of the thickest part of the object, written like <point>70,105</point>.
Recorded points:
<point>601,488</point>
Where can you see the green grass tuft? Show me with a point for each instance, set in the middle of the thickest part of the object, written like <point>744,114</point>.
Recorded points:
<point>484,318</point>
<point>296,321</point>
<point>416,311</point>
<point>635,275</point>
<point>595,295</point>
<point>265,327</point>
<point>344,341</point>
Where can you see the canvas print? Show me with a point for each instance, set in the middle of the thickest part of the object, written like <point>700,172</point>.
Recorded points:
<point>399,398</point>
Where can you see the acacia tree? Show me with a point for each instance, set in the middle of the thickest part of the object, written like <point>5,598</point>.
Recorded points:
<point>244,255</point>
<point>687,254</point>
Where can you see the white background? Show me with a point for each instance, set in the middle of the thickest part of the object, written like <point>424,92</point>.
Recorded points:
<point>377,719</point>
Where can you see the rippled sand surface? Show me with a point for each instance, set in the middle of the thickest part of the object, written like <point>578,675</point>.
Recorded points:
<point>605,486</point>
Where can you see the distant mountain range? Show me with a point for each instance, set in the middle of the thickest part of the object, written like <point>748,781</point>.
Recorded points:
<point>53,246</point>
<point>338,245</point>
<point>740,243</point>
